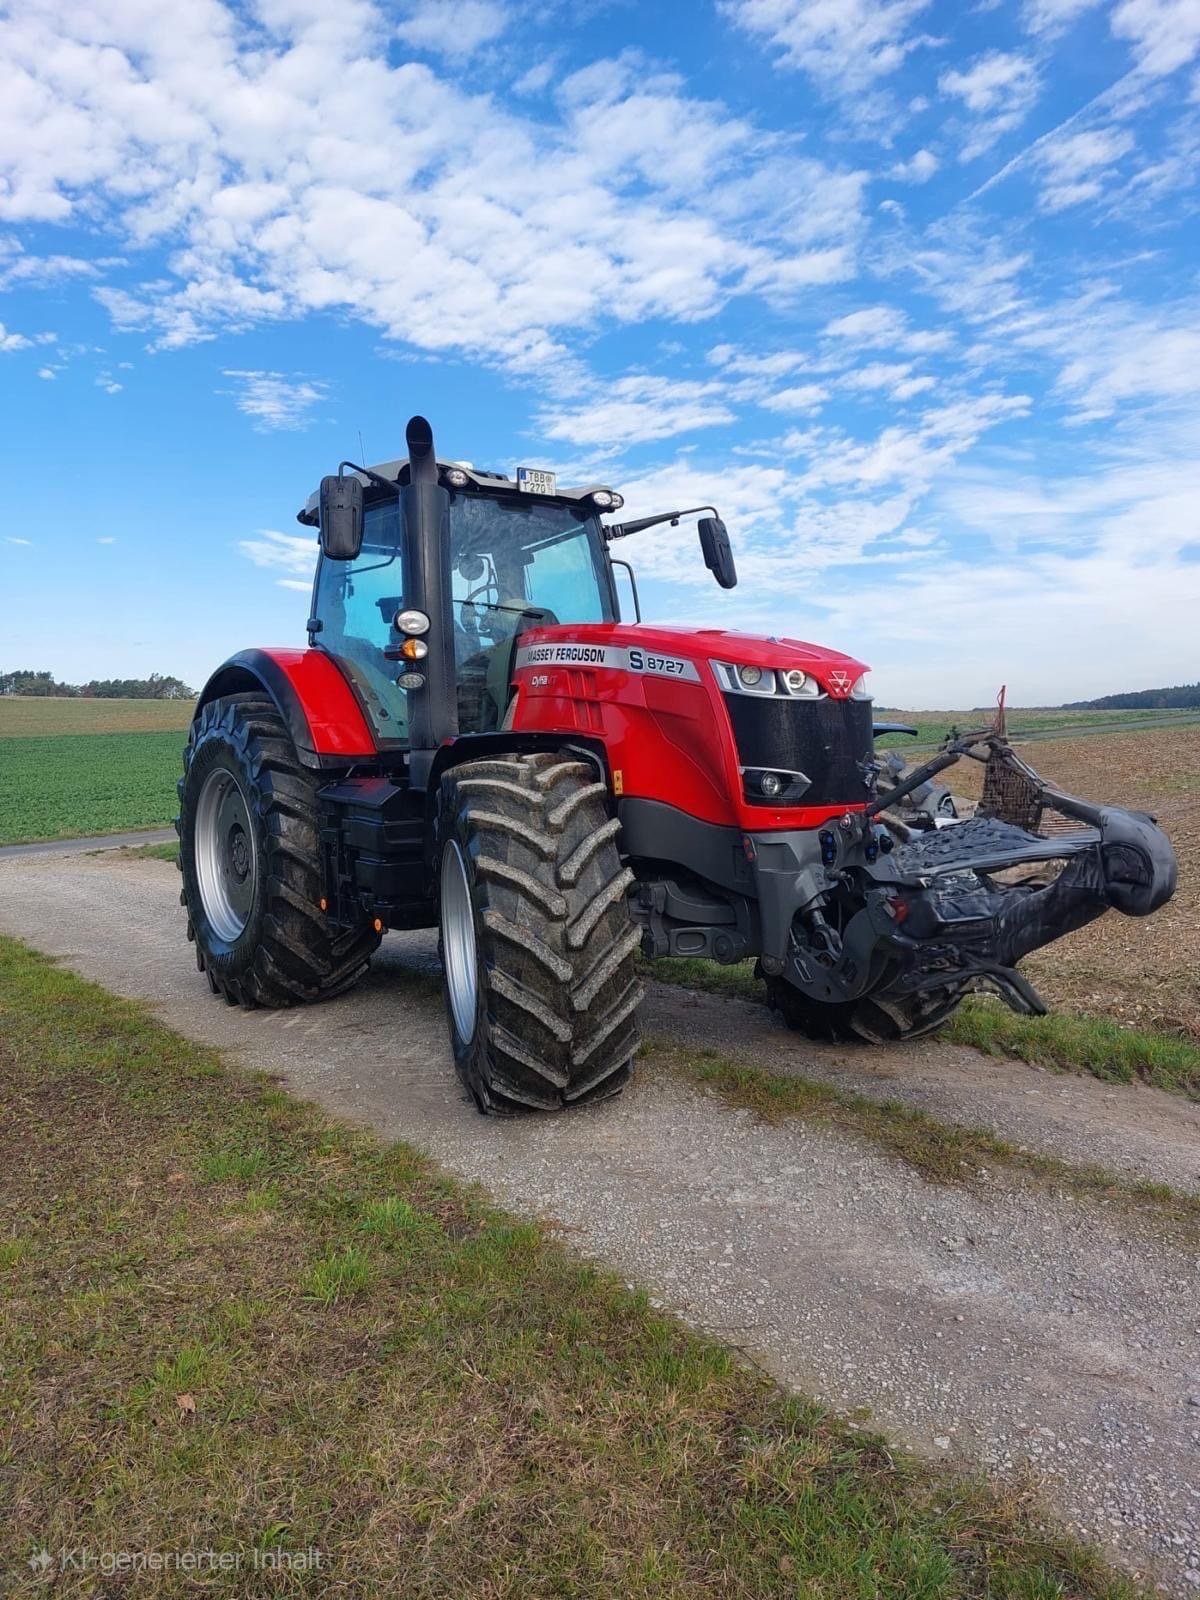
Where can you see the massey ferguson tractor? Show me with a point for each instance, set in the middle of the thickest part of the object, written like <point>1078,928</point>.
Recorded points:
<point>475,740</point>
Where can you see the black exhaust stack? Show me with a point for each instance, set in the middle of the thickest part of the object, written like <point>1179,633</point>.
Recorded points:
<point>433,709</point>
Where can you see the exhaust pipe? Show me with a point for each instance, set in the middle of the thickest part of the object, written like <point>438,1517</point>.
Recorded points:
<point>422,463</point>
<point>433,708</point>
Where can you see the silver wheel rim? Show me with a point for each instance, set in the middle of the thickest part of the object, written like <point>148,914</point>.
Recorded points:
<point>226,855</point>
<point>458,942</point>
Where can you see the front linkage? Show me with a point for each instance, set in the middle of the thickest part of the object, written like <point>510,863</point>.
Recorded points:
<point>904,922</point>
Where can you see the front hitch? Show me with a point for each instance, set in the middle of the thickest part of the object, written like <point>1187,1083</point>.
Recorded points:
<point>956,908</point>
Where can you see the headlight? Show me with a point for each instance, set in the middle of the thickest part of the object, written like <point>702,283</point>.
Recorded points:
<point>861,689</point>
<point>798,682</point>
<point>749,677</point>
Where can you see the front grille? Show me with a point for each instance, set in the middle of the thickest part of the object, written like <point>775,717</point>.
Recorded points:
<point>830,741</point>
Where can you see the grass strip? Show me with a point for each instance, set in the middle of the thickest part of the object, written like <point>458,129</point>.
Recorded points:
<point>942,1152</point>
<point>1063,1040</point>
<point>229,1324</point>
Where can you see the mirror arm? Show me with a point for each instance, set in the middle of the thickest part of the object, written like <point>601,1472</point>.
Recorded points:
<point>622,530</point>
<point>366,472</point>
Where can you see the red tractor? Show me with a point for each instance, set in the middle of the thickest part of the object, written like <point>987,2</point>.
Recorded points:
<point>475,740</point>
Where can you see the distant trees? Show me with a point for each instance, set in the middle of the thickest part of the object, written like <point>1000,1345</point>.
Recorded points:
<point>156,687</point>
<point>1181,697</point>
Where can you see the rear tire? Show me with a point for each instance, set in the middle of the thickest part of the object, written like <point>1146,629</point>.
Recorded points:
<point>250,858</point>
<point>538,947</point>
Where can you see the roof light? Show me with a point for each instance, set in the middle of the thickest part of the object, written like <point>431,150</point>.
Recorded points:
<point>412,622</point>
<point>605,499</point>
<point>411,680</point>
<point>456,477</point>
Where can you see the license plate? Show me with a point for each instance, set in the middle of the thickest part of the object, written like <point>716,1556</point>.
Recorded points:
<point>532,480</point>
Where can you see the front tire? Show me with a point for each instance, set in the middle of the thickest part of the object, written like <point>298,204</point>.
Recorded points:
<point>537,943</point>
<point>867,1020</point>
<point>249,854</point>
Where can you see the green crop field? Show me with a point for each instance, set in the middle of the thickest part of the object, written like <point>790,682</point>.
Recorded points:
<point>79,783</point>
<point>74,767</point>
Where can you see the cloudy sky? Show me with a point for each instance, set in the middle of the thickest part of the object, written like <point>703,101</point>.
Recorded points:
<point>910,288</point>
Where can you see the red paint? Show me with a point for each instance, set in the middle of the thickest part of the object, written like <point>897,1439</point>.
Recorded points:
<point>670,739</point>
<point>335,722</point>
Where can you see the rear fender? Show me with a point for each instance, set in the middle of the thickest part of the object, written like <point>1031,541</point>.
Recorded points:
<point>326,724</point>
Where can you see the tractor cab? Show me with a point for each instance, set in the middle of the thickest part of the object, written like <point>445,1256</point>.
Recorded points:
<point>512,560</point>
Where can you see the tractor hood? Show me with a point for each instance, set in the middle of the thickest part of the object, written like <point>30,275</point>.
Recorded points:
<point>836,673</point>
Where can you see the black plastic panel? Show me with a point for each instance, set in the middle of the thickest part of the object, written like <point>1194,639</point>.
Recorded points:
<point>830,741</point>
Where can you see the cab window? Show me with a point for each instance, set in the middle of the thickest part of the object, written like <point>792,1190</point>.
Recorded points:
<point>356,601</point>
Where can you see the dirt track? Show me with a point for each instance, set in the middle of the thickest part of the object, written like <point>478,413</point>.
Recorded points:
<point>1001,1325</point>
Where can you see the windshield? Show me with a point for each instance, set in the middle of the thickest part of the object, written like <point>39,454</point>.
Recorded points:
<point>511,567</point>
<point>506,561</point>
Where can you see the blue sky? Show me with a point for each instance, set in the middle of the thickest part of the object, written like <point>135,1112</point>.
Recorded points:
<point>910,289</point>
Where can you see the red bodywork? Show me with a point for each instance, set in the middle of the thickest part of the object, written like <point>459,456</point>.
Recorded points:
<point>670,739</point>
<point>667,738</point>
<point>335,722</point>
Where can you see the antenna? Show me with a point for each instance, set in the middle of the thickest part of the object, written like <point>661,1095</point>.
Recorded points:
<point>362,454</point>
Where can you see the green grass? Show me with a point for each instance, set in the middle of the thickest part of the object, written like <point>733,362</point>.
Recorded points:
<point>377,1363</point>
<point>85,783</point>
<point>1063,1040</point>
<point>149,852</point>
<point>1092,1044</point>
<point>941,1152</point>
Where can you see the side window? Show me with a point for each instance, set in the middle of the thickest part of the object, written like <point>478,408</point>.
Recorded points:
<point>562,578</point>
<point>356,601</point>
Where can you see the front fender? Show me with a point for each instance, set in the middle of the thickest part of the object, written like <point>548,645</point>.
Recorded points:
<point>308,690</point>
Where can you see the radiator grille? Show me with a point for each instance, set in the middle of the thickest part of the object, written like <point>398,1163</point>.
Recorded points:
<point>831,741</point>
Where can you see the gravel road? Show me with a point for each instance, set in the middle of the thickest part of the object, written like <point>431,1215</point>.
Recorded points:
<point>1001,1326</point>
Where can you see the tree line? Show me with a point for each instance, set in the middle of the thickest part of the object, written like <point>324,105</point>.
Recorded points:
<point>1180,697</point>
<point>156,687</point>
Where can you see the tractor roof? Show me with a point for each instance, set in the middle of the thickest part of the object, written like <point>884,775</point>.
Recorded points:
<point>477,479</point>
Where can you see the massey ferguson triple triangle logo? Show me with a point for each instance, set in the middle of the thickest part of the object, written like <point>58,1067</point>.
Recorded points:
<point>839,680</point>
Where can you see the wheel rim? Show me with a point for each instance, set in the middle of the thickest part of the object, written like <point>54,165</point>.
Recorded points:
<point>226,855</point>
<point>458,942</point>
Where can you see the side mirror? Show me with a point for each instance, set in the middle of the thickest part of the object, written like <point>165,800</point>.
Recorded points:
<point>718,553</point>
<point>341,517</point>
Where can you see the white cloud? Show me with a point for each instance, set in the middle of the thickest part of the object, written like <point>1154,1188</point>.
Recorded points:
<point>918,169</point>
<point>453,28</point>
<point>288,168</point>
<point>1163,34</point>
<point>1047,18</point>
<point>11,538</point>
<point>637,408</point>
<point>108,383</point>
<point>273,399</point>
<point>13,341</point>
<point>873,325</point>
<point>293,554</point>
<point>106,539</point>
<point>844,44</point>
<point>48,374</point>
<point>998,88</point>
<point>1078,167</point>
<point>801,397</point>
